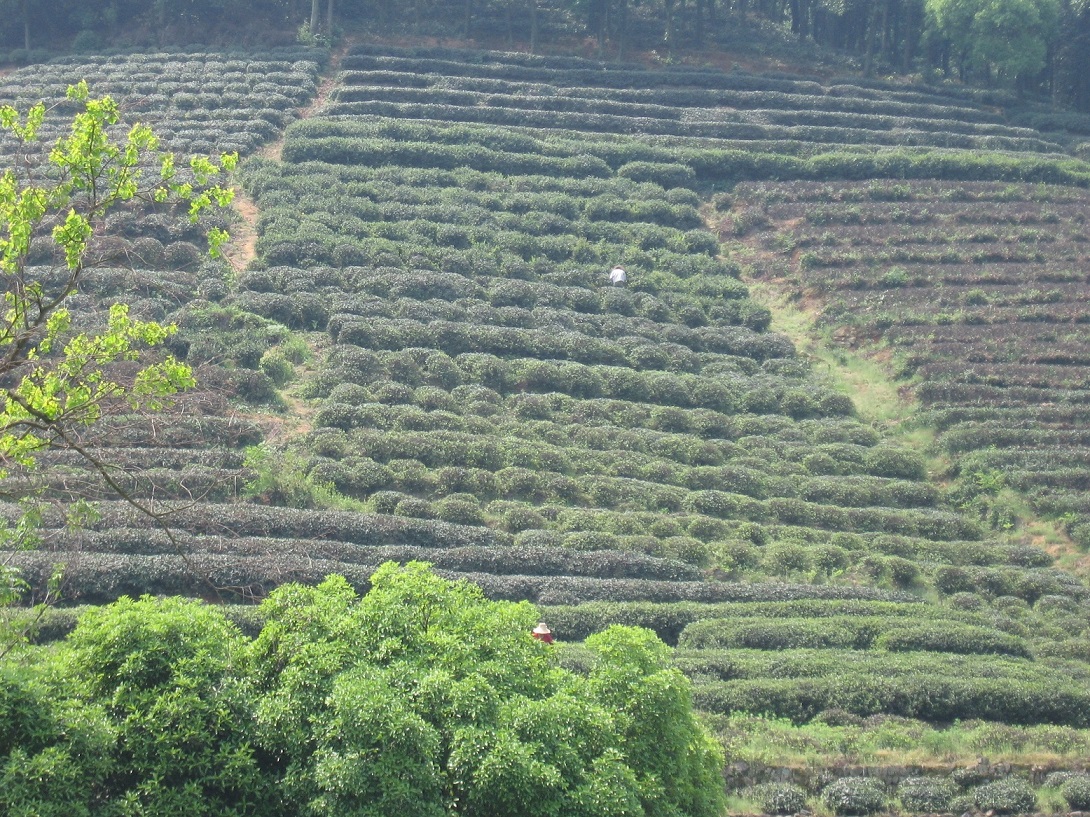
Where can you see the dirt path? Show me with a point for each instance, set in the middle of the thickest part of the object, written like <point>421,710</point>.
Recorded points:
<point>242,249</point>
<point>274,150</point>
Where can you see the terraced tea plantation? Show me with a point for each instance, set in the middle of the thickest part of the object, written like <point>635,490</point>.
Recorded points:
<point>980,291</point>
<point>426,361</point>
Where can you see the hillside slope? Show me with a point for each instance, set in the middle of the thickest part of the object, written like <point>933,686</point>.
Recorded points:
<point>431,284</point>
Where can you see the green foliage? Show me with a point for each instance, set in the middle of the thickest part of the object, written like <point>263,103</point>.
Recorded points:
<point>854,795</point>
<point>481,711</point>
<point>676,765</point>
<point>781,798</point>
<point>152,709</point>
<point>1076,792</point>
<point>276,365</point>
<point>1011,35</point>
<point>282,478</point>
<point>1007,796</point>
<point>925,794</point>
<point>96,176</point>
<point>419,697</point>
<point>60,375</point>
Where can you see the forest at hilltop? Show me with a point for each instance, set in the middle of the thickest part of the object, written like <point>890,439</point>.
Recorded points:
<point>1038,47</point>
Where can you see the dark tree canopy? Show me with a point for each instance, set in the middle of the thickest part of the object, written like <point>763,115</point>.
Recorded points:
<point>1029,44</point>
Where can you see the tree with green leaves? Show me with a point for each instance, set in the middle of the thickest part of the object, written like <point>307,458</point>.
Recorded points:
<point>480,711</point>
<point>1007,38</point>
<point>422,697</point>
<point>57,376</point>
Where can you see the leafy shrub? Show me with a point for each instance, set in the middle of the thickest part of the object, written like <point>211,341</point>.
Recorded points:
<point>458,511</point>
<point>894,462</point>
<point>961,804</point>
<point>1076,792</point>
<point>278,368</point>
<point>780,798</point>
<point>785,558</point>
<point>522,517</point>
<point>854,795</point>
<point>1056,779</point>
<point>926,794</point>
<point>1007,796</point>
<point>966,601</point>
<point>386,501</point>
<point>952,637</point>
<point>738,555</point>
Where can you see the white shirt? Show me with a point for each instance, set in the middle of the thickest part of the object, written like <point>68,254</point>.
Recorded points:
<point>617,276</point>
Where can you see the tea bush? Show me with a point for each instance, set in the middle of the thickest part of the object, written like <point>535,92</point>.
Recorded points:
<point>1007,796</point>
<point>925,794</point>
<point>780,798</point>
<point>854,796</point>
<point>1076,792</point>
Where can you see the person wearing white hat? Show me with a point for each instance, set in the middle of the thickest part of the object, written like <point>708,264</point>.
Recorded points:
<point>542,633</point>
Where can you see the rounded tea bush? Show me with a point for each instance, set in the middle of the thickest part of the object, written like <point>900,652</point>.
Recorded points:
<point>1007,796</point>
<point>854,795</point>
<point>961,803</point>
<point>1076,791</point>
<point>781,798</point>
<point>1056,779</point>
<point>926,794</point>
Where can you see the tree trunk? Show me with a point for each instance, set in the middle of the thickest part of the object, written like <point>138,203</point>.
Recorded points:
<point>909,34</point>
<point>884,29</point>
<point>603,35</point>
<point>869,24</point>
<point>669,35</point>
<point>622,30</point>
<point>315,8</point>
<point>329,20</point>
<point>467,18</point>
<point>26,25</point>
<point>534,28</point>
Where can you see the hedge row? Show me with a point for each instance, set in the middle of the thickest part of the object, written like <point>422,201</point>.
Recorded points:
<point>100,578</point>
<point>931,695</point>
<point>587,73</point>
<point>493,450</point>
<point>697,437</point>
<point>505,560</point>
<point>850,632</point>
<point>740,126</point>
<point>552,343</point>
<point>671,619</point>
<point>288,523</point>
<point>726,393</point>
<point>359,85</point>
<point>196,102</point>
<point>709,164</point>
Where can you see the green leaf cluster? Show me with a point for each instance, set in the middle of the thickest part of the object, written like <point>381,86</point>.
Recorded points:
<point>421,697</point>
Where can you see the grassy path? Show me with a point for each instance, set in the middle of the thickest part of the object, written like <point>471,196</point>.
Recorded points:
<point>865,375</point>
